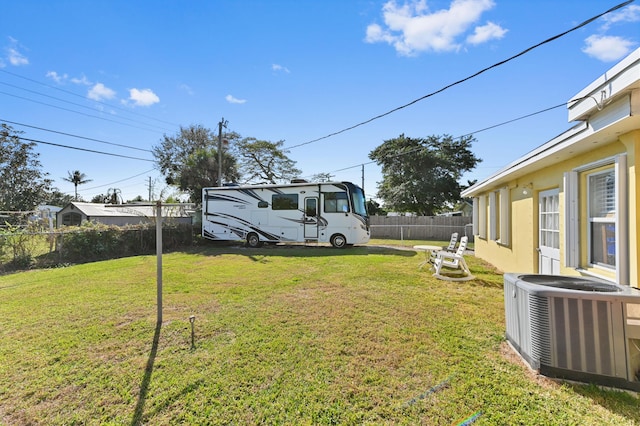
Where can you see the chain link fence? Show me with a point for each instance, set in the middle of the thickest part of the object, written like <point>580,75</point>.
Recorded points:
<point>33,246</point>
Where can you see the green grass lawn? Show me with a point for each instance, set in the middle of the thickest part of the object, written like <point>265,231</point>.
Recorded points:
<point>294,335</point>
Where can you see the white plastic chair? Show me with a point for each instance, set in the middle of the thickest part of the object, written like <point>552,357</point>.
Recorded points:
<point>454,262</point>
<point>452,243</point>
<point>450,248</point>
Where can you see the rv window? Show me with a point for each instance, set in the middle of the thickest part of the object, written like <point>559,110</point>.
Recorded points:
<point>263,204</point>
<point>284,202</point>
<point>336,202</point>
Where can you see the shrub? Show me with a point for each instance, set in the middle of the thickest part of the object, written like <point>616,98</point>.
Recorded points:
<point>94,241</point>
<point>33,246</point>
<point>18,244</point>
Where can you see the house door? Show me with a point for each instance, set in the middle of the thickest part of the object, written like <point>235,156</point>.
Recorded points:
<point>549,232</point>
<point>311,218</point>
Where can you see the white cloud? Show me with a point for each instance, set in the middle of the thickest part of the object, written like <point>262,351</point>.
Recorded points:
<point>485,33</point>
<point>233,100</point>
<point>607,48</point>
<point>187,89</point>
<point>56,77</point>
<point>82,80</point>
<point>62,78</point>
<point>144,97</point>
<point>276,67</point>
<point>13,54</point>
<point>16,58</point>
<point>412,28</point>
<point>100,92</point>
<point>628,14</point>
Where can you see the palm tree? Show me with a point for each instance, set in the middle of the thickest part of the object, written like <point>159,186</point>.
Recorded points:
<point>77,178</point>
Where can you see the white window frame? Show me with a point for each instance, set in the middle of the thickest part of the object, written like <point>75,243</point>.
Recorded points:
<point>549,219</point>
<point>572,215</point>
<point>610,218</point>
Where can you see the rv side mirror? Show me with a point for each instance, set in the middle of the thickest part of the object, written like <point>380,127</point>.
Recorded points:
<point>345,209</point>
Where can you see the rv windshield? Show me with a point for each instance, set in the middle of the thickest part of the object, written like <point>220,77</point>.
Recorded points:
<point>359,203</point>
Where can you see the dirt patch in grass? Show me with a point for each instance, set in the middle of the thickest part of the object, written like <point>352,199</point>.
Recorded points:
<point>511,356</point>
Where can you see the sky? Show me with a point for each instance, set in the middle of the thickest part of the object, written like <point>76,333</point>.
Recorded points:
<point>99,83</point>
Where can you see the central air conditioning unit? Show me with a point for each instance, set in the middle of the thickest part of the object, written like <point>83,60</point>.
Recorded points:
<point>575,328</point>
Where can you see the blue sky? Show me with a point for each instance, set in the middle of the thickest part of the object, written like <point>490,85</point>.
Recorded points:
<point>123,73</point>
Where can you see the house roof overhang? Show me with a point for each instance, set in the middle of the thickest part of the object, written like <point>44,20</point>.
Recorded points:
<point>599,123</point>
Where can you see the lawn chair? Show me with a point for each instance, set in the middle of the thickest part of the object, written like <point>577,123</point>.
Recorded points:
<point>453,261</point>
<point>452,243</point>
<point>450,248</point>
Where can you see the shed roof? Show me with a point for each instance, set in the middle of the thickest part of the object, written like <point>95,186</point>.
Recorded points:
<point>129,210</point>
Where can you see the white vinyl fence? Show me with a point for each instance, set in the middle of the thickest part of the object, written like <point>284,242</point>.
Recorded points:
<point>437,228</point>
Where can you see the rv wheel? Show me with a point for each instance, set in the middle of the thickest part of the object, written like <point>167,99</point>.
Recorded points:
<point>338,241</point>
<point>253,240</point>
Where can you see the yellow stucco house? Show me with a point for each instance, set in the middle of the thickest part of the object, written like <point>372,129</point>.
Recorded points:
<point>572,206</point>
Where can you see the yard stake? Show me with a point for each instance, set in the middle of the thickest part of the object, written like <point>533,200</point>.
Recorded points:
<point>192,320</point>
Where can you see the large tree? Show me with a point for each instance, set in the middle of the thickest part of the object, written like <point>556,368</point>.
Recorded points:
<point>421,175</point>
<point>189,160</point>
<point>57,198</point>
<point>264,161</point>
<point>322,177</point>
<point>23,184</point>
<point>201,170</point>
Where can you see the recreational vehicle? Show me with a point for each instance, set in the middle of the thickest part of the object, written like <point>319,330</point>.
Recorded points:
<point>330,212</point>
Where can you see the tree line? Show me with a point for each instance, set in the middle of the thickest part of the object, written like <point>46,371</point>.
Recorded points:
<point>419,175</point>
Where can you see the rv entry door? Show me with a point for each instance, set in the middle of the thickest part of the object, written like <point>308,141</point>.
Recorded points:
<point>311,218</point>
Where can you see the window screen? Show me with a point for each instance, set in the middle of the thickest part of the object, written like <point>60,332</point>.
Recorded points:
<point>602,218</point>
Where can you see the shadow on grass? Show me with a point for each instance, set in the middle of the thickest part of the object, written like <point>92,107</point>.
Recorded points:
<point>296,250</point>
<point>214,248</point>
<point>146,380</point>
<point>623,403</point>
<point>192,387</point>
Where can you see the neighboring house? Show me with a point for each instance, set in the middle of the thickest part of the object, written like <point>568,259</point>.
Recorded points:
<point>571,206</point>
<point>463,208</point>
<point>76,213</point>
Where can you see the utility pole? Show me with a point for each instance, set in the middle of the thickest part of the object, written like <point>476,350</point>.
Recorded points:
<point>221,124</point>
<point>363,177</point>
<point>149,188</point>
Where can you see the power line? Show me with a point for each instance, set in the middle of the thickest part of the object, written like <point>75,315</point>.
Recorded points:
<point>411,151</point>
<point>118,181</point>
<point>72,103</point>
<point>77,112</point>
<point>82,149</point>
<point>75,136</point>
<point>497,64</point>
<point>83,97</point>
